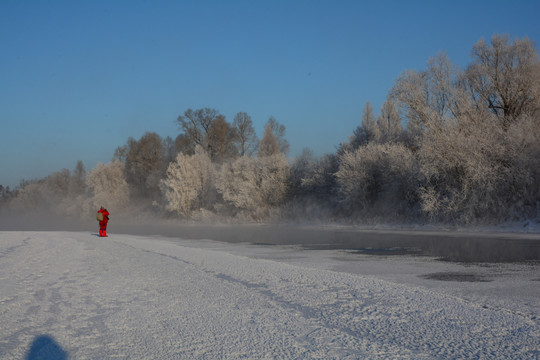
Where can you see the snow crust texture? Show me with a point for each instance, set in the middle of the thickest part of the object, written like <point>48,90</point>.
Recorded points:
<point>139,297</point>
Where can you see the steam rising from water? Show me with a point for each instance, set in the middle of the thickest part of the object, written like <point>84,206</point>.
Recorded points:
<point>451,246</point>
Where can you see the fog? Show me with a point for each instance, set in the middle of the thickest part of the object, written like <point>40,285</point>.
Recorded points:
<point>456,245</point>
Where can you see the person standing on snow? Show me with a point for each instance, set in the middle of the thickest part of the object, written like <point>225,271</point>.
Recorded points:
<point>103,218</point>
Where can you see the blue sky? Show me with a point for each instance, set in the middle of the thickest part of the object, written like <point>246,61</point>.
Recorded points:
<point>77,78</point>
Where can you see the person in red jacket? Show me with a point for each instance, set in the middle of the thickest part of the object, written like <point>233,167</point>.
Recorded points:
<point>103,222</point>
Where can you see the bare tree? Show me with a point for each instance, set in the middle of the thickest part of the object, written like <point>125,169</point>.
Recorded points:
<point>208,129</point>
<point>121,152</point>
<point>170,150</point>
<point>246,136</point>
<point>195,125</point>
<point>221,140</point>
<point>183,144</point>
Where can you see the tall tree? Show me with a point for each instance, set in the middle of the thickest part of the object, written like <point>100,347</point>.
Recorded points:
<point>145,164</point>
<point>388,123</point>
<point>195,125</point>
<point>369,122</point>
<point>246,136</point>
<point>505,77</point>
<point>365,132</point>
<point>170,150</point>
<point>301,168</point>
<point>430,97</point>
<point>183,144</point>
<point>279,132</point>
<point>269,143</point>
<point>221,140</point>
<point>208,129</point>
<point>77,185</point>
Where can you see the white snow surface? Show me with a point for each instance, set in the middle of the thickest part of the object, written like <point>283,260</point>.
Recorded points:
<point>149,297</point>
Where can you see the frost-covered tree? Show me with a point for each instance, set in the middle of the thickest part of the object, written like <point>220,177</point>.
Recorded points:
<point>429,97</point>
<point>188,185</point>
<point>378,179</point>
<point>57,184</point>
<point>60,192</point>
<point>46,193</point>
<point>505,77</point>
<point>254,185</point>
<point>478,171</point>
<point>238,184</point>
<point>273,175</point>
<point>108,186</point>
<point>468,126</point>
<point>29,196</point>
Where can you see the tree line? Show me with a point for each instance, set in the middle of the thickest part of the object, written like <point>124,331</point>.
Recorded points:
<point>448,145</point>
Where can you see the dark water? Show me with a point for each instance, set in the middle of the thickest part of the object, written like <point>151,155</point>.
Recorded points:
<point>449,246</point>
<point>445,245</point>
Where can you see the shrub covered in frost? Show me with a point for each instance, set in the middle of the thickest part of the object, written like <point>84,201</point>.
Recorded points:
<point>188,185</point>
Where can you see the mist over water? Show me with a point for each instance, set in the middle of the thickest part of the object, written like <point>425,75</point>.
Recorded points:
<point>445,245</point>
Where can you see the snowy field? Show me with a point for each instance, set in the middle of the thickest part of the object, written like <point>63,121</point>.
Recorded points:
<point>74,295</point>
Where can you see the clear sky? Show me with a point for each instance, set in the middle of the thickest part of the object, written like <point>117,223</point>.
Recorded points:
<point>78,78</point>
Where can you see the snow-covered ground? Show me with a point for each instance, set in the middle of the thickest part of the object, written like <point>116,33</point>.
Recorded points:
<point>76,295</point>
